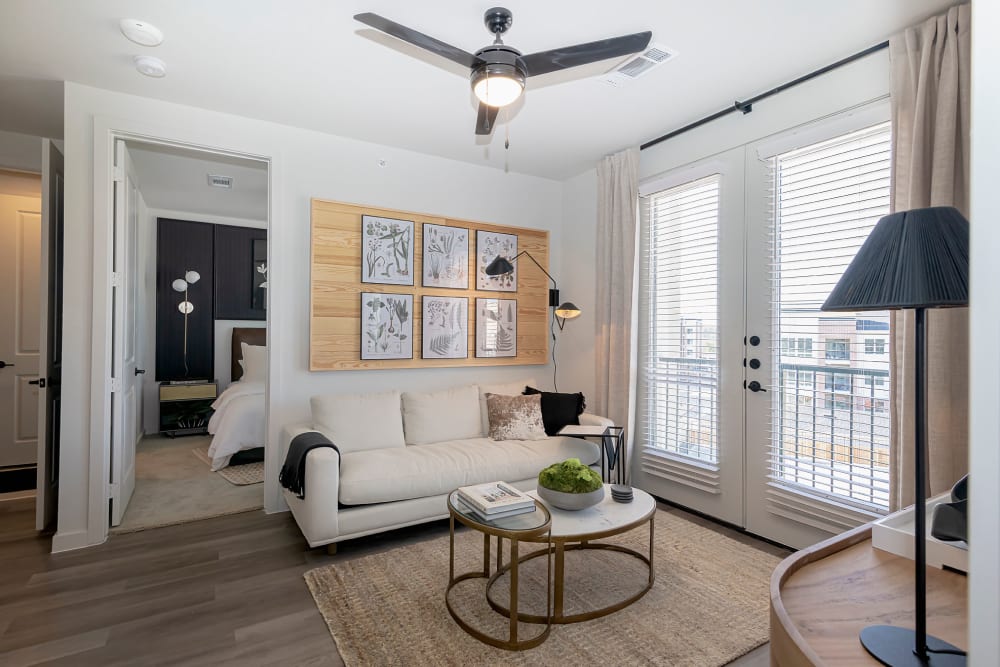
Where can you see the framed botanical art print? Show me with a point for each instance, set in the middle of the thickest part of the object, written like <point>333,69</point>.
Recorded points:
<point>386,326</point>
<point>386,251</point>
<point>489,246</point>
<point>446,256</point>
<point>496,327</point>
<point>445,327</point>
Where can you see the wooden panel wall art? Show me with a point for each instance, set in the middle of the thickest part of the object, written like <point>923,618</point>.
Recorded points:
<point>341,280</point>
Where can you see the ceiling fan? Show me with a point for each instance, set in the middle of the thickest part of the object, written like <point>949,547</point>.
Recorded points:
<point>498,71</point>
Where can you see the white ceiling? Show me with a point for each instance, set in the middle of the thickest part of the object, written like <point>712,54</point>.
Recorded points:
<point>176,179</point>
<point>308,63</point>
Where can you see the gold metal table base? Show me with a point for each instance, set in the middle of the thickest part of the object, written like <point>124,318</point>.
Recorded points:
<point>559,547</point>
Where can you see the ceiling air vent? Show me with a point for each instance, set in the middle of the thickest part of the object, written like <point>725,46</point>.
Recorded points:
<point>634,67</point>
<point>217,181</point>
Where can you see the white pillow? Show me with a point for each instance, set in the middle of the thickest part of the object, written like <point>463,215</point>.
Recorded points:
<point>356,422</point>
<point>451,414</point>
<point>254,362</point>
<point>506,389</point>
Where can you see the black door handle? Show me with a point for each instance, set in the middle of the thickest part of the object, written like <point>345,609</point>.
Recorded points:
<point>754,386</point>
<point>4,364</point>
<point>140,371</point>
<point>40,382</point>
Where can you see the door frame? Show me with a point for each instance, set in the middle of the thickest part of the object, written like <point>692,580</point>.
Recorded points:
<point>227,143</point>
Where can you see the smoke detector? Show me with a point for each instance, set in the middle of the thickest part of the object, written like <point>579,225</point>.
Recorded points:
<point>217,181</point>
<point>150,66</point>
<point>633,68</point>
<point>140,32</point>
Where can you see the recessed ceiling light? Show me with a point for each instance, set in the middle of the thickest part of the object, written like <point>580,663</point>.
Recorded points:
<point>141,32</point>
<point>151,66</point>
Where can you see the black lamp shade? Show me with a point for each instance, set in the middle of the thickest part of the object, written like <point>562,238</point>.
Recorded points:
<point>499,267</point>
<point>912,259</point>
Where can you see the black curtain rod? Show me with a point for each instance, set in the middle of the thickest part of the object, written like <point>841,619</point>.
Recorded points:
<point>747,105</point>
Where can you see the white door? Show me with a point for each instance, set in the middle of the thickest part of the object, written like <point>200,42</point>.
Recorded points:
<point>689,410</point>
<point>125,384</point>
<point>20,333</point>
<point>50,348</point>
<point>818,427</point>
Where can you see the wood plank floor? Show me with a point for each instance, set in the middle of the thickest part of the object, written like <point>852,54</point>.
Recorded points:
<point>222,591</point>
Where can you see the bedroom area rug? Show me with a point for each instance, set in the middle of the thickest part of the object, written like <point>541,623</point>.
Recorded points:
<point>172,487</point>
<point>248,473</point>
<point>708,606</point>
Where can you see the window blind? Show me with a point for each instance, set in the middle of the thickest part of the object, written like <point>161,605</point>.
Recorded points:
<point>830,403</point>
<point>678,310</point>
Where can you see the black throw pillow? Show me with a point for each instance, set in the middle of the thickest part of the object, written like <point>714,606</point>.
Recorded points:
<point>559,410</point>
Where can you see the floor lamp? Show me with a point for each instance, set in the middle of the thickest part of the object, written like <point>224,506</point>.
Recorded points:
<point>916,260</point>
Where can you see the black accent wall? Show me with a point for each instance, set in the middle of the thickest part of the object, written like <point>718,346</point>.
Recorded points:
<point>184,246</point>
<point>234,272</point>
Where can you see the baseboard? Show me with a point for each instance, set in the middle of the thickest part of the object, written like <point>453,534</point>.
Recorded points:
<point>71,541</point>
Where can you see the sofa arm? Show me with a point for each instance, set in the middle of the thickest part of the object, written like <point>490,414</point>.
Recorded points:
<point>288,433</point>
<point>587,419</point>
<point>316,514</point>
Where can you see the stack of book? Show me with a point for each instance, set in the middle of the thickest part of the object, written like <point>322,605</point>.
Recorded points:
<point>495,500</point>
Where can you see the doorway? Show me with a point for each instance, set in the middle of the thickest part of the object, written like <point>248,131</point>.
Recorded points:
<point>189,349</point>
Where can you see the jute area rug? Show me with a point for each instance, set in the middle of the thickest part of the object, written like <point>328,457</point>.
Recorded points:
<point>248,473</point>
<point>709,604</point>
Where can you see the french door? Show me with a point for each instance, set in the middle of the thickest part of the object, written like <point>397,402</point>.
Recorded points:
<point>753,405</point>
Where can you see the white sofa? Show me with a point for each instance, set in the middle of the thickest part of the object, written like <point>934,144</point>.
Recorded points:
<point>402,454</point>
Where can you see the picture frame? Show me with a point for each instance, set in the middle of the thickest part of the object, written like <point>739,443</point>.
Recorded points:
<point>386,326</point>
<point>496,327</point>
<point>445,259</point>
<point>489,246</point>
<point>445,327</point>
<point>387,251</point>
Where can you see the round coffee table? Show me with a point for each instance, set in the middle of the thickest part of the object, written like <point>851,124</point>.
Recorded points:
<point>575,530</point>
<point>529,527</point>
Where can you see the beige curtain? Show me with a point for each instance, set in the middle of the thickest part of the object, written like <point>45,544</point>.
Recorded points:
<point>617,207</point>
<point>929,95</point>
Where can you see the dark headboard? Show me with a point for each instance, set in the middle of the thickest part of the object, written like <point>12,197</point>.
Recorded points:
<point>250,336</point>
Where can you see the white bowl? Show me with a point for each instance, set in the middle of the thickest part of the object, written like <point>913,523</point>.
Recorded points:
<point>571,501</point>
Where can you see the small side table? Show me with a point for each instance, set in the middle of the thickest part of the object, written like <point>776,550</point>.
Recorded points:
<point>185,408</point>
<point>613,451</point>
<point>532,527</point>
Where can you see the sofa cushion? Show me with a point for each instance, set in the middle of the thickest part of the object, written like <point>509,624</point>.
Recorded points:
<point>356,422</point>
<point>386,475</point>
<point>450,414</point>
<point>559,410</point>
<point>504,389</point>
<point>515,417</point>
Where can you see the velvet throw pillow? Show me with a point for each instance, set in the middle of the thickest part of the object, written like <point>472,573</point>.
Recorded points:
<point>559,410</point>
<point>515,417</point>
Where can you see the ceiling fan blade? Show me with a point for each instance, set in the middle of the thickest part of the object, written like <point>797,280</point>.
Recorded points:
<point>544,62</point>
<point>486,119</point>
<point>419,39</point>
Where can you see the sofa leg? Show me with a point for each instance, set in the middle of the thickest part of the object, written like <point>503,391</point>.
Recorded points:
<point>331,549</point>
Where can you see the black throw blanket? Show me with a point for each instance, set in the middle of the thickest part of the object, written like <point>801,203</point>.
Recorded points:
<point>293,472</point>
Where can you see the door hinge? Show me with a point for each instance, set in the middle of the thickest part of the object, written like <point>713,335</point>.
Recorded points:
<point>116,279</point>
<point>112,490</point>
<point>116,385</point>
<point>119,174</point>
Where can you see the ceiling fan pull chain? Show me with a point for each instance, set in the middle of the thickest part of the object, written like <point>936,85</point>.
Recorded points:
<point>506,125</point>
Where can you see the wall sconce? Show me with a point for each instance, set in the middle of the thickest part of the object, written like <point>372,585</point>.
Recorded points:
<point>186,307</point>
<point>564,311</point>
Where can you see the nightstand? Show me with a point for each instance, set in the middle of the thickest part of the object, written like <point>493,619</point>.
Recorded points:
<point>185,408</point>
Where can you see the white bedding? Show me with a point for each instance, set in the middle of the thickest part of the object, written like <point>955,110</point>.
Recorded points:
<point>238,422</point>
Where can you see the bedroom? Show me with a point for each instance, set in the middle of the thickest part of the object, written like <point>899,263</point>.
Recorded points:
<point>196,272</point>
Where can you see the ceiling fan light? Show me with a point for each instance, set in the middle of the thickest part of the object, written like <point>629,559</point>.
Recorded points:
<point>498,84</point>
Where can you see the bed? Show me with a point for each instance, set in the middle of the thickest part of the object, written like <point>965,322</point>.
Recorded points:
<point>237,426</point>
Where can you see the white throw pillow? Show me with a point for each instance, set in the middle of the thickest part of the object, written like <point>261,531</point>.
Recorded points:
<point>356,422</point>
<point>254,362</point>
<point>516,417</point>
<point>506,389</point>
<point>451,414</point>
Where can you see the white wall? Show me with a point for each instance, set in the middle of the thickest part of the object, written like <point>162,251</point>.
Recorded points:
<point>304,164</point>
<point>984,431</point>
<point>20,152</point>
<point>147,327</point>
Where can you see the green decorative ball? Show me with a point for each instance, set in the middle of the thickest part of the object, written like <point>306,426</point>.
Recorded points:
<point>570,476</point>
